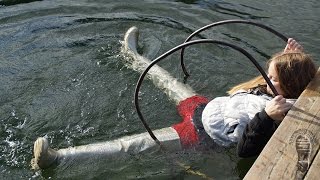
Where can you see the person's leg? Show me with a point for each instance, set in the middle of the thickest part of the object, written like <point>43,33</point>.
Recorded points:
<point>176,90</point>
<point>170,137</point>
<point>45,157</point>
<point>183,95</point>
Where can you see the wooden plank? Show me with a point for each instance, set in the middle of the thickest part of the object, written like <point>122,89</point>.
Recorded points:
<point>292,148</point>
<point>313,172</point>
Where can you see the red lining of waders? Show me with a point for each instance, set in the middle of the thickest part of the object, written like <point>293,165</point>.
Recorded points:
<point>186,129</point>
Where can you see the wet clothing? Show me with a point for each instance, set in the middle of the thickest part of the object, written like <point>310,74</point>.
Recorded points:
<point>189,109</point>
<point>225,118</point>
<point>221,120</point>
<point>256,135</point>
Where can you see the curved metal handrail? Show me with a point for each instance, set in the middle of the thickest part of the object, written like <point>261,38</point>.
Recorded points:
<point>199,41</point>
<point>221,23</point>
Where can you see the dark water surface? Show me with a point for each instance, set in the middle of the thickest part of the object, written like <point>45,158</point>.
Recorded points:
<point>63,76</point>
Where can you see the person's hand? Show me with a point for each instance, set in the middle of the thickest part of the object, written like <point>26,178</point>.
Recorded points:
<point>277,108</point>
<point>293,45</point>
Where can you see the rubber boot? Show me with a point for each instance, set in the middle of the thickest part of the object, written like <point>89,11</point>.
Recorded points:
<point>44,156</point>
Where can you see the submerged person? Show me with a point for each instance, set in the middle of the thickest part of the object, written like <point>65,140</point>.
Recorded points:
<point>219,121</point>
<point>225,118</point>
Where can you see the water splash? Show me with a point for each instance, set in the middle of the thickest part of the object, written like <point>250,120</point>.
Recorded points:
<point>13,141</point>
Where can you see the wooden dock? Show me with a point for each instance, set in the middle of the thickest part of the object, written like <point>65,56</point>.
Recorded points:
<point>292,152</point>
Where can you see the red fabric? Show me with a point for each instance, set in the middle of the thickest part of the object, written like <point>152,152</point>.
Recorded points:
<point>185,129</point>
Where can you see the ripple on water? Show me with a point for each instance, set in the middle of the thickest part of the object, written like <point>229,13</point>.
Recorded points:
<point>63,76</point>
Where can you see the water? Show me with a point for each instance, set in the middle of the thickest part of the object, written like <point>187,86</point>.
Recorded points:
<point>63,76</point>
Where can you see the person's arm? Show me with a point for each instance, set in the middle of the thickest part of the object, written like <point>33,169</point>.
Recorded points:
<point>260,129</point>
<point>256,135</point>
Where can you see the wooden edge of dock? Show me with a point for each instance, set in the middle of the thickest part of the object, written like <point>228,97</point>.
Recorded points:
<point>292,152</point>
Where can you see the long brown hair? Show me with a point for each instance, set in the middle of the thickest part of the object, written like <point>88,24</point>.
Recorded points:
<point>295,71</point>
<point>257,81</point>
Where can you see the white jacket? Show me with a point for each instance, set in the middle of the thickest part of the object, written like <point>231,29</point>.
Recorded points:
<point>224,118</point>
